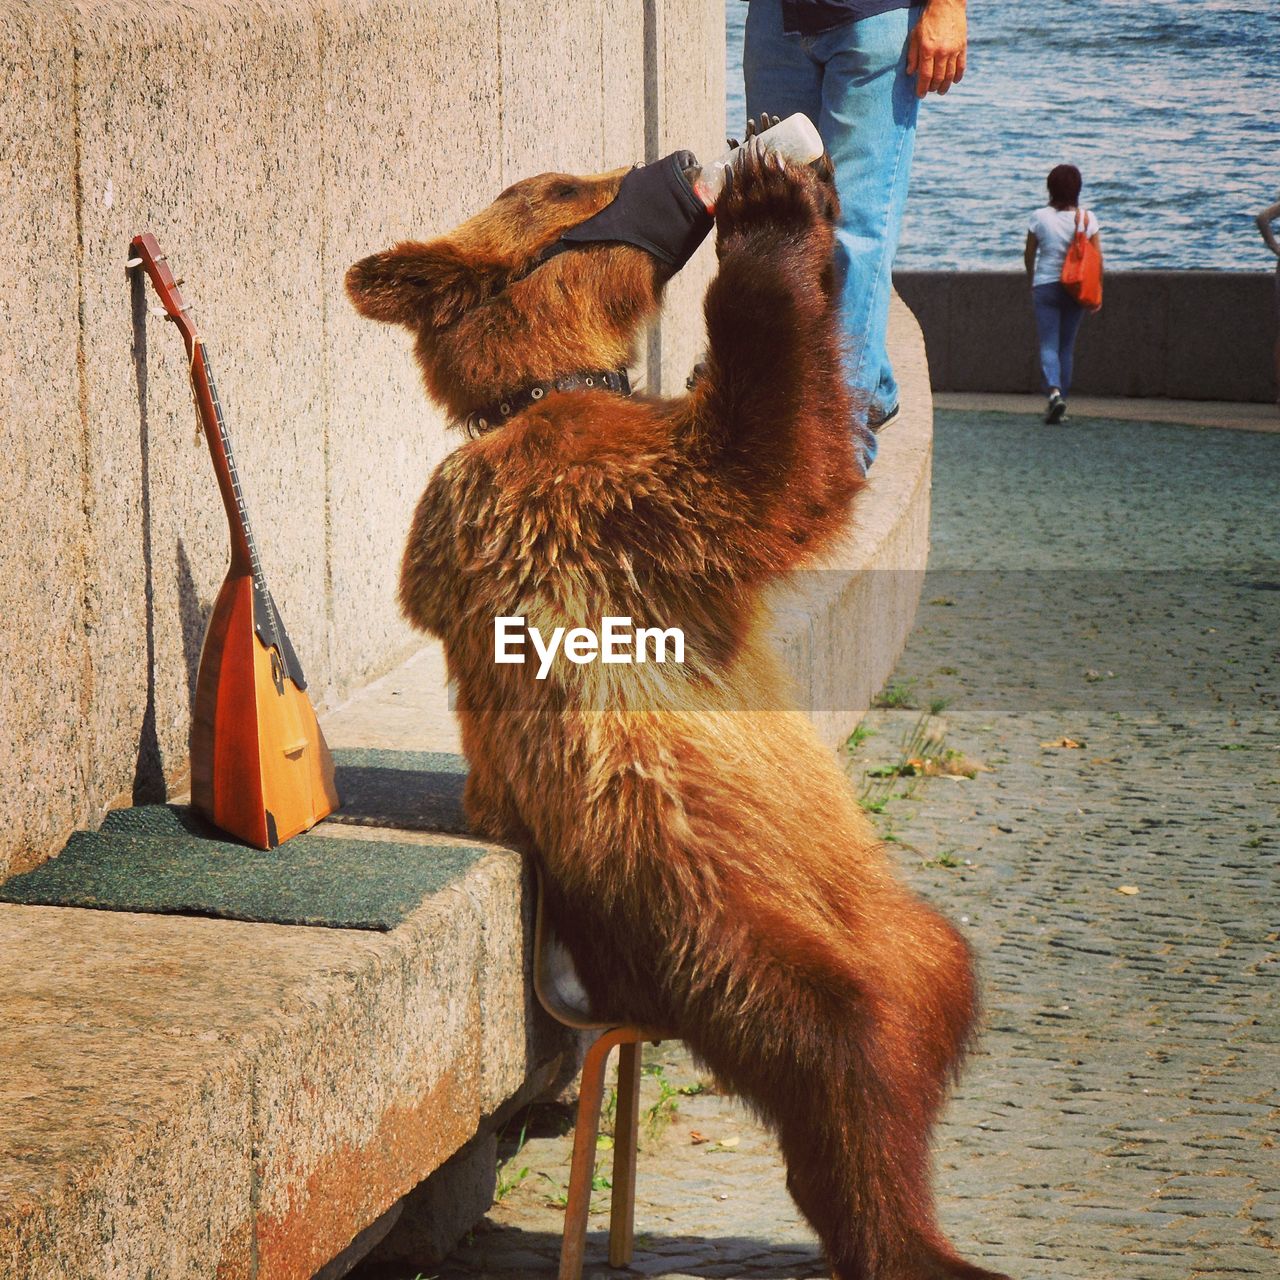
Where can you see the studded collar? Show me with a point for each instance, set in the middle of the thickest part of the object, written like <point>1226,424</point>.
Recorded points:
<point>495,414</point>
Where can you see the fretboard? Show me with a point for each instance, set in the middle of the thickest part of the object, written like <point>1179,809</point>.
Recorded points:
<point>266,617</point>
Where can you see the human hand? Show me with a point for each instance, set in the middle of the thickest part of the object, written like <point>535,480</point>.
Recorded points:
<point>936,51</point>
<point>753,130</point>
<point>821,165</point>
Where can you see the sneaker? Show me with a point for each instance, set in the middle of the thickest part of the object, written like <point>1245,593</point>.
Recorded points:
<point>1057,409</point>
<point>877,420</point>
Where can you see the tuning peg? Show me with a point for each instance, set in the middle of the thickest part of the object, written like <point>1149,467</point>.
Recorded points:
<point>133,262</point>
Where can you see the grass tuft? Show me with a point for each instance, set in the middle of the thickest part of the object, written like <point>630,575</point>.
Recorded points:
<point>897,694</point>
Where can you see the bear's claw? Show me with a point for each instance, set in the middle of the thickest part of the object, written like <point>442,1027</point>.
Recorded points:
<point>769,189</point>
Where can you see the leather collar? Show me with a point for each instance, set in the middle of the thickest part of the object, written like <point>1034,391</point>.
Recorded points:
<point>495,414</point>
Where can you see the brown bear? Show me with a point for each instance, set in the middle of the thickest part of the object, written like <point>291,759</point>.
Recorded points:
<point>704,858</point>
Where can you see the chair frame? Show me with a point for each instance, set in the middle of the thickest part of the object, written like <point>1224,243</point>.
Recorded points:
<point>626,1129</point>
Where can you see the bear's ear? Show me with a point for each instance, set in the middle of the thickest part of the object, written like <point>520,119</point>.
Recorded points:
<point>420,284</point>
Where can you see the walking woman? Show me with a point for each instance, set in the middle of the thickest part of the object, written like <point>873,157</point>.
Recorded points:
<point>1058,314</point>
<point>1264,221</point>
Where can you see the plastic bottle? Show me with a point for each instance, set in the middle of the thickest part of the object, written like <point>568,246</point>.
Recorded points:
<point>796,138</point>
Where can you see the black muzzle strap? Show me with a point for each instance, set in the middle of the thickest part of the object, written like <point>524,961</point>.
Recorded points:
<point>655,209</point>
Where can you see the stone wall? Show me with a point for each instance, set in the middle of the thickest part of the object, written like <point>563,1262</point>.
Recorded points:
<point>267,144</point>
<point>1186,335</point>
<point>841,625</point>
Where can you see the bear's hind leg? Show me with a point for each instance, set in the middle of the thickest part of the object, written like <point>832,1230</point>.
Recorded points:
<point>850,1066</point>
<point>856,1144</point>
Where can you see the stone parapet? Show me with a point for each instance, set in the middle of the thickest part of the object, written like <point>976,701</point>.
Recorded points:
<point>207,1098</point>
<point>267,144</point>
<point>842,625</point>
<point>1181,335</point>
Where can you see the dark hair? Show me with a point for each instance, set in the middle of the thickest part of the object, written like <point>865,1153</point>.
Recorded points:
<point>1064,186</point>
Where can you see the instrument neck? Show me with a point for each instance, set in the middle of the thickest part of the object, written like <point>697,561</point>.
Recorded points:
<point>244,550</point>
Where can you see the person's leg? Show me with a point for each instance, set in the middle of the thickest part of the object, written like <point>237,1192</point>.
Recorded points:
<point>782,75</point>
<point>1071,313</point>
<point>1277,351</point>
<point>868,122</point>
<point>1048,327</point>
<point>779,71</point>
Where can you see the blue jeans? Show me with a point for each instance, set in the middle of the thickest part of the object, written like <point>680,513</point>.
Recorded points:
<point>1058,317</point>
<point>852,83</point>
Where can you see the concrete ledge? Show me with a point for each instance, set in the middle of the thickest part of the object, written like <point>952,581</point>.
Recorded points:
<point>205,1098</point>
<point>1228,415</point>
<point>841,627</point>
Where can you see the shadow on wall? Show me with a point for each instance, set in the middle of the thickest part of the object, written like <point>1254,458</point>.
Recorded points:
<point>194,618</point>
<point>148,771</point>
<point>1184,335</point>
<point>148,775</point>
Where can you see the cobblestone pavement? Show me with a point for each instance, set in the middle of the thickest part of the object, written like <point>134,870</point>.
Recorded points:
<point>1099,632</point>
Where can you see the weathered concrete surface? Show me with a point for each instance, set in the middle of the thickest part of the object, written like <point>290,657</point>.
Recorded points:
<point>438,1213</point>
<point>684,108</point>
<point>166,145</point>
<point>408,707</point>
<point>267,144</point>
<point>1194,335</point>
<point>189,1097</point>
<point>841,626</point>
<point>624,116</point>
<point>1230,415</point>
<point>551,121</point>
<point>42,635</point>
<point>400,168</point>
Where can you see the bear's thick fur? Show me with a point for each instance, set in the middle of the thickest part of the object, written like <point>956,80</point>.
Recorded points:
<point>704,858</point>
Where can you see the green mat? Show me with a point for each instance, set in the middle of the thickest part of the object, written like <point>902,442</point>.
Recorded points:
<point>165,859</point>
<point>413,790</point>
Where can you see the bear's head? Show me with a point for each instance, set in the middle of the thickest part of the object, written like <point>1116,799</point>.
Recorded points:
<point>490,316</point>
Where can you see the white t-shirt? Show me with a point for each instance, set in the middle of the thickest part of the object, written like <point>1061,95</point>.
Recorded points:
<point>1055,229</point>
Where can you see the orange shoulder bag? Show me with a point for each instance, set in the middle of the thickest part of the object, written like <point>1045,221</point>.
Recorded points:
<point>1082,270</point>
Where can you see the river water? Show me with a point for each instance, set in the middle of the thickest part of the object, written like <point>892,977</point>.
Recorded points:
<point>1170,108</point>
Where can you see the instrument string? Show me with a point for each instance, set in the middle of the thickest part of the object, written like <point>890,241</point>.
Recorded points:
<point>273,616</point>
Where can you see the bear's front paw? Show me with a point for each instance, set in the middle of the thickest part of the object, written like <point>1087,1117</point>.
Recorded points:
<point>766,191</point>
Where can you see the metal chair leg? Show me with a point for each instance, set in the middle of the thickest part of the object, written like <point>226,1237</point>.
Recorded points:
<point>590,1096</point>
<point>626,1134</point>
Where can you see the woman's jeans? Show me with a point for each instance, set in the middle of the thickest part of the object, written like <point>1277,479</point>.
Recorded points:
<point>1058,317</point>
<point>852,83</point>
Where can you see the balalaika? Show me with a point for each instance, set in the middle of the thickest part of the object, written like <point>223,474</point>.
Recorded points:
<point>260,768</point>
